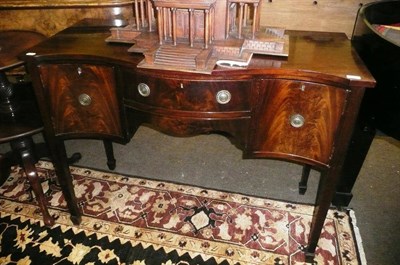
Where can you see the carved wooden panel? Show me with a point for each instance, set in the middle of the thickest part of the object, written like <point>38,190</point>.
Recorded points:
<point>183,29</point>
<point>299,119</point>
<point>318,15</point>
<point>82,97</point>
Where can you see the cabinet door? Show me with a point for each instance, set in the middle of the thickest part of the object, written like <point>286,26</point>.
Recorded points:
<point>298,120</point>
<point>82,98</point>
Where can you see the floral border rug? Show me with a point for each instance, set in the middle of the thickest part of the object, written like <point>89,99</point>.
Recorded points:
<point>132,220</point>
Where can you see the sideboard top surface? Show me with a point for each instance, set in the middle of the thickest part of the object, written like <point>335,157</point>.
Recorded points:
<point>310,53</point>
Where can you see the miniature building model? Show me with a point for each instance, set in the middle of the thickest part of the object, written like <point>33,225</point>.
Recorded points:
<point>194,35</point>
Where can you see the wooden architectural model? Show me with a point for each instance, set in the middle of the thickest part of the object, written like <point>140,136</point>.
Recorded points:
<point>194,35</point>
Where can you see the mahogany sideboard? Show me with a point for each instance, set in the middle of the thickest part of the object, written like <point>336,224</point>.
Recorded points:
<point>302,109</point>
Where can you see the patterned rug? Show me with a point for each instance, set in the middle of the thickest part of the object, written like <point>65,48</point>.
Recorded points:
<point>131,220</point>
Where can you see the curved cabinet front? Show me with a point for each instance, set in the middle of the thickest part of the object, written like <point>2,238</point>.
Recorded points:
<point>82,99</point>
<point>188,106</point>
<point>297,120</point>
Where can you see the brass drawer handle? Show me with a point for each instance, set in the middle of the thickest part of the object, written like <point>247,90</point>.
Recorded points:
<point>223,96</point>
<point>143,89</point>
<point>297,121</point>
<point>84,99</point>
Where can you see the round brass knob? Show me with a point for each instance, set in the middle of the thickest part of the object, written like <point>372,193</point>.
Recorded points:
<point>143,89</point>
<point>297,120</point>
<point>84,99</point>
<point>223,96</point>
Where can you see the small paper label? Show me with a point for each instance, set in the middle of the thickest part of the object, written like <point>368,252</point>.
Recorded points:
<point>353,77</point>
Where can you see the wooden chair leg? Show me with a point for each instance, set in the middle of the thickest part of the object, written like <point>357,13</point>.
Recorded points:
<point>111,162</point>
<point>304,179</point>
<point>24,147</point>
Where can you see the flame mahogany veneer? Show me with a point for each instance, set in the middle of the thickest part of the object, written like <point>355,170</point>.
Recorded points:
<point>301,109</point>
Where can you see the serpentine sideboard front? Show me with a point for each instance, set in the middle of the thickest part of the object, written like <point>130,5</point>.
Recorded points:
<point>301,109</point>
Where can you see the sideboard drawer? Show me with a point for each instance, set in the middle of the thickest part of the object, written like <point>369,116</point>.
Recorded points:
<point>298,120</point>
<point>187,95</point>
<point>82,98</point>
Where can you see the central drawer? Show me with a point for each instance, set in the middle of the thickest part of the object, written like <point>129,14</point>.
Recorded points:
<point>189,95</point>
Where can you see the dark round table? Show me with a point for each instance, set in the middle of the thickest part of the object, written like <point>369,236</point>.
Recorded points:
<point>19,118</point>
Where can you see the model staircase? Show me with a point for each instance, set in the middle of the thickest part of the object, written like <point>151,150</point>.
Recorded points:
<point>179,57</point>
<point>172,55</point>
